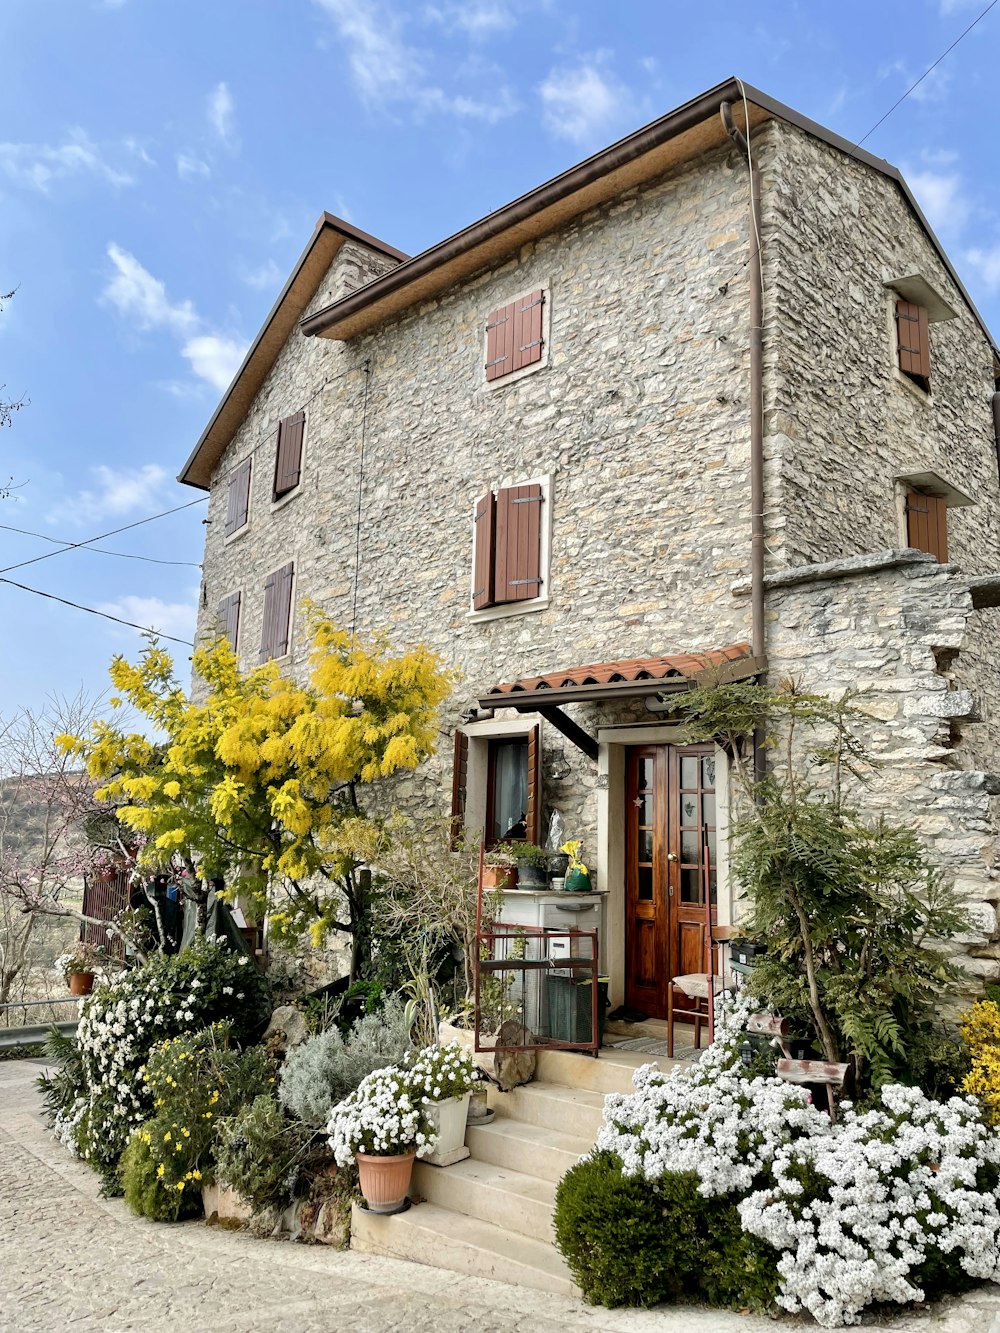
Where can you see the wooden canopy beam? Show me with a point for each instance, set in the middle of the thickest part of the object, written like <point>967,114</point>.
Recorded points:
<point>571,730</point>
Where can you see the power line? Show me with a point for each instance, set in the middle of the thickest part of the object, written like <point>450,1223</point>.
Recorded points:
<point>92,610</point>
<point>100,550</point>
<point>74,546</point>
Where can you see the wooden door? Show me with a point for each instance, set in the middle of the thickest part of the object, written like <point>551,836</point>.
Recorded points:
<point>669,820</point>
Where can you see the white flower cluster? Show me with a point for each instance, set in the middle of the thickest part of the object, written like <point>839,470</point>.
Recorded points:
<point>439,1072</point>
<point>383,1117</point>
<point>66,1124</point>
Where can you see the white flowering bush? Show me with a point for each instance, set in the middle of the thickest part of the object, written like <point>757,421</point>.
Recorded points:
<point>383,1117</point>
<point>439,1072</point>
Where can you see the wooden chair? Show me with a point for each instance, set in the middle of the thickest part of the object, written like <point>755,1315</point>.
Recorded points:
<point>698,989</point>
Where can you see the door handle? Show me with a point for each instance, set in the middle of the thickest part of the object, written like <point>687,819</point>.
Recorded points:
<point>671,856</point>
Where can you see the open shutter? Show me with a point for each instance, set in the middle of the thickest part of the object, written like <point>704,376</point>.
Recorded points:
<point>927,524</point>
<point>913,338</point>
<point>500,341</point>
<point>483,551</point>
<point>459,783</point>
<point>227,617</point>
<point>288,463</point>
<point>527,328</point>
<point>238,500</point>
<point>277,613</point>
<point>533,818</point>
<point>267,626</point>
<point>517,576</point>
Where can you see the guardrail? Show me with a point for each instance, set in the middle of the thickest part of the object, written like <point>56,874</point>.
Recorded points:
<point>32,1034</point>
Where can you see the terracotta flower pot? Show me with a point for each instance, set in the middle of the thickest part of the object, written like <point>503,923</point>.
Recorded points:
<point>81,983</point>
<point>499,877</point>
<point>385,1180</point>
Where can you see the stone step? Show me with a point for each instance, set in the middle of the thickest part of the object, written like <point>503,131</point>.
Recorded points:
<point>575,1111</point>
<point>428,1234</point>
<point>542,1152</point>
<point>508,1198</point>
<point>611,1072</point>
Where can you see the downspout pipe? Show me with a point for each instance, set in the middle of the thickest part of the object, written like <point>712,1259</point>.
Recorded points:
<point>758,632</point>
<point>996,422</point>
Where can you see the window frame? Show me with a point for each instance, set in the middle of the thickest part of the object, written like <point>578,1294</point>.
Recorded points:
<point>469,805</point>
<point>513,376</point>
<point>228,537</point>
<point>493,745</point>
<point>924,481</point>
<point>237,593</point>
<point>280,501</point>
<point>529,604</point>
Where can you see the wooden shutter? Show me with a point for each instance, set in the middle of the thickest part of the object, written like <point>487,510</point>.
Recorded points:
<point>927,524</point>
<point>483,551</point>
<point>288,463</point>
<point>913,339</point>
<point>238,505</point>
<point>527,324</point>
<point>277,613</point>
<point>533,818</point>
<point>500,341</point>
<point>227,618</point>
<point>517,565</point>
<point>459,783</point>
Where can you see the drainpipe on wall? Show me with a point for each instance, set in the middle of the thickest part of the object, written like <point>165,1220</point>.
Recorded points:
<point>996,422</point>
<point>757,627</point>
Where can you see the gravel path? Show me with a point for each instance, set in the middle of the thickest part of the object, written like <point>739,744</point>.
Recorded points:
<point>72,1261</point>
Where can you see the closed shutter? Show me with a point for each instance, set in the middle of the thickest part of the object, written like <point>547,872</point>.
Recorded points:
<point>459,784</point>
<point>527,330</point>
<point>227,618</point>
<point>913,339</point>
<point>288,463</point>
<point>238,504</point>
<point>517,565</point>
<point>500,342</point>
<point>482,552</point>
<point>533,818</point>
<point>927,524</point>
<point>277,613</point>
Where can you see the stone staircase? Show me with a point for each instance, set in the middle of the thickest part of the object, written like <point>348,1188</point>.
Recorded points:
<point>491,1214</point>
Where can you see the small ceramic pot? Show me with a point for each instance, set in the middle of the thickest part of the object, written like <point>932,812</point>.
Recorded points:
<point>81,983</point>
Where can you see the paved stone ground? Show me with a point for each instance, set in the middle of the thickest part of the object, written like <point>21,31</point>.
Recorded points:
<point>72,1261</point>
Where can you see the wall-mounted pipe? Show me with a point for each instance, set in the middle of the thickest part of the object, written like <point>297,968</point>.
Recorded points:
<point>996,423</point>
<point>758,631</point>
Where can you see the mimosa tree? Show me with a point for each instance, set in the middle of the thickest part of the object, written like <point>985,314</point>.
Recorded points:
<point>256,776</point>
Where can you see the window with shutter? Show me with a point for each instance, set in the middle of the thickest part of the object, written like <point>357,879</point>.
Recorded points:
<point>238,498</point>
<point>913,342</point>
<point>459,786</point>
<point>927,524</point>
<point>288,459</point>
<point>515,335</point>
<point>511,549</point>
<point>276,629</point>
<point>227,618</point>
<point>483,550</point>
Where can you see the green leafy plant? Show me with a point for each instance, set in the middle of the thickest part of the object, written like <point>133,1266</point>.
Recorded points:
<point>264,1155</point>
<point>529,853</point>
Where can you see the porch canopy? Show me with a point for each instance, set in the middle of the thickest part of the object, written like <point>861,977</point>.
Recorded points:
<point>638,678</point>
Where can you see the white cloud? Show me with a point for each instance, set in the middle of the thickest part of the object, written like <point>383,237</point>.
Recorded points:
<point>932,87</point>
<point>266,276</point>
<point>987,265</point>
<point>580,103</point>
<point>479,19</point>
<point>942,198</point>
<point>214,358</point>
<point>116,493</point>
<point>956,6</point>
<point>175,618</point>
<point>40,165</point>
<point>137,295</point>
<point>190,167</point>
<point>222,113</point>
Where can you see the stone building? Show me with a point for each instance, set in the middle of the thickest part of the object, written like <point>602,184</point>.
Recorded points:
<point>559,437</point>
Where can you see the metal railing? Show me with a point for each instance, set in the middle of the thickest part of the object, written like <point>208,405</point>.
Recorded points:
<point>34,1034</point>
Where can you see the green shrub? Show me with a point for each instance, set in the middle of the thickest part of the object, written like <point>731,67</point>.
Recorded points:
<point>629,1242</point>
<point>263,1155</point>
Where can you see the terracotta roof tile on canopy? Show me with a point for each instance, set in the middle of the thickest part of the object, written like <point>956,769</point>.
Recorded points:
<point>641,675</point>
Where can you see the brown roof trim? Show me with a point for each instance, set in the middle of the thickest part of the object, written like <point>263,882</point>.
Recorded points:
<point>504,230</point>
<point>329,235</point>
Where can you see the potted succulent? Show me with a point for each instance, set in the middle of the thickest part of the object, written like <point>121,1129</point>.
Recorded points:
<point>444,1076</point>
<point>577,876</point>
<point>79,966</point>
<point>383,1127</point>
<point>532,865</point>
<point>500,867</point>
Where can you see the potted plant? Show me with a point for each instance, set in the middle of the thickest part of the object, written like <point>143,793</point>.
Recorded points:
<point>444,1077</point>
<point>382,1126</point>
<point>79,966</point>
<point>577,876</point>
<point>532,865</point>
<point>500,867</point>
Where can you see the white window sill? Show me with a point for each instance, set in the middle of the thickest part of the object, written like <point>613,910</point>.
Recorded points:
<point>921,395</point>
<point>287,657</point>
<point>235,536</point>
<point>507,609</point>
<point>284,499</point>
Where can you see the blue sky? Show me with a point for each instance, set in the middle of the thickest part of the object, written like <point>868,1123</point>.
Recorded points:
<point>162,163</point>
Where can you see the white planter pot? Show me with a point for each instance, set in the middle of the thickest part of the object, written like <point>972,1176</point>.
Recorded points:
<point>448,1118</point>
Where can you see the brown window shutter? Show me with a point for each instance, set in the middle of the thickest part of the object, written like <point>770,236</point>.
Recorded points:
<point>277,613</point>
<point>500,342</point>
<point>913,340</point>
<point>527,326</point>
<point>238,500</point>
<point>483,551</point>
<point>288,462</point>
<point>459,783</point>
<point>267,627</point>
<point>518,544</point>
<point>228,618</point>
<point>927,524</point>
<point>533,818</point>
